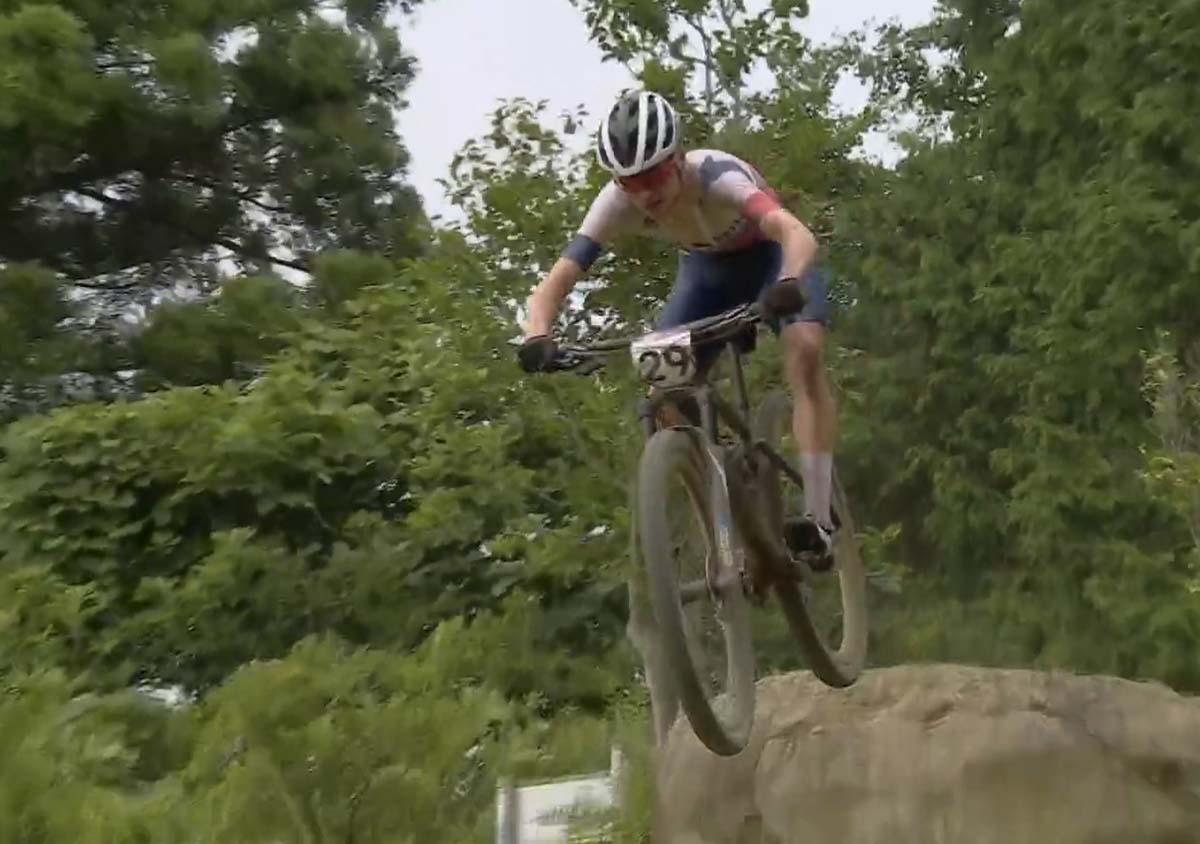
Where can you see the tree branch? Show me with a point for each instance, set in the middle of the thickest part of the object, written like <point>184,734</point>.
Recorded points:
<point>687,59</point>
<point>124,64</point>
<point>241,195</point>
<point>121,65</point>
<point>232,245</point>
<point>706,42</point>
<point>734,91</point>
<point>113,288</point>
<point>238,249</point>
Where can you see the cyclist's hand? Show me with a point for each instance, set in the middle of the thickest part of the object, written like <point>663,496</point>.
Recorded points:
<point>536,353</point>
<point>783,298</point>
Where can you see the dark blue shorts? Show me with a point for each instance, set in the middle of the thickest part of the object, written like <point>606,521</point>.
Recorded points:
<point>708,283</point>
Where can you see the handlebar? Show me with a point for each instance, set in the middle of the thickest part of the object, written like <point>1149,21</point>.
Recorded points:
<point>723,326</point>
<point>781,299</point>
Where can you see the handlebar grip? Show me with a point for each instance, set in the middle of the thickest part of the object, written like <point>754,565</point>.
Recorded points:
<point>783,298</point>
<point>566,360</point>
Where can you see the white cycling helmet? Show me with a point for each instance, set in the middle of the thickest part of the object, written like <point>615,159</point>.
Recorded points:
<point>639,132</point>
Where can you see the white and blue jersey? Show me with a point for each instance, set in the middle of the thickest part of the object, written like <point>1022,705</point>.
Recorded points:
<point>725,258</point>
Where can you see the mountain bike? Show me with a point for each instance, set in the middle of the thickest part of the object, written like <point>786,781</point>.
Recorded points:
<point>738,490</point>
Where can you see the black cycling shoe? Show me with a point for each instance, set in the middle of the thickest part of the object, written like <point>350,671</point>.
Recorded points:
<point>805,535</point>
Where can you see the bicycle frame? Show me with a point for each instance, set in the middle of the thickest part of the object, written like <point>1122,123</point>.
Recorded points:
<point>713,407</point>
<point>741,508</point>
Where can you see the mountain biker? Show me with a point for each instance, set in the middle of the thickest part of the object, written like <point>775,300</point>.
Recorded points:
<point>736,241</point>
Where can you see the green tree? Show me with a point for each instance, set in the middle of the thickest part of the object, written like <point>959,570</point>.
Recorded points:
<point>149,153</point>
<point>714,42</point>
<point>335,744</point>
<point>87,768</point>
<point>1013,274</point>
<point>327,742</point>
<point>32,308</point>
<point>382,474</point>
<point>147,141</point>
<point>224,337</point>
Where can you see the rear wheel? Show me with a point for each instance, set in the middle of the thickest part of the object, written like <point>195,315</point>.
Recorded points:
<point>700,608</point>
<point>827,615</point>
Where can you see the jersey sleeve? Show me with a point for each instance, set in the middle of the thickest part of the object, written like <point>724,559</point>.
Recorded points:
<point>732,181</point>
<point>610,216</point>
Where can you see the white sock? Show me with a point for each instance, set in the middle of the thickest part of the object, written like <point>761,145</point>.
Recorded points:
<point>817,470</point>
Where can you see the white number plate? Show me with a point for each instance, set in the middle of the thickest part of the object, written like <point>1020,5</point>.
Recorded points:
<point>665,358</point>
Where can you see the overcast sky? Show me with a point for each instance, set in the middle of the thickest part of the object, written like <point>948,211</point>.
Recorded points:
<point>474,53</point>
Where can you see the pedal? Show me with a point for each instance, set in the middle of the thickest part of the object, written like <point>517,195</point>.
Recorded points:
<point>756,596</point>
<point>800,537</point>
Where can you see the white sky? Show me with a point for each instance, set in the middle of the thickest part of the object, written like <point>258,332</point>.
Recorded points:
<point>472,54</point>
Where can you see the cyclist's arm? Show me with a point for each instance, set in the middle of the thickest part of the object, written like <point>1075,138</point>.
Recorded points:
<point>546,300</point>
<point>798,242</point>
<point>608,216</point>
<point>729,180</point>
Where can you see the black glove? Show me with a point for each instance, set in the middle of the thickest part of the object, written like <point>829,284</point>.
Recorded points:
<point>783,298</point>
<point>537,352</point>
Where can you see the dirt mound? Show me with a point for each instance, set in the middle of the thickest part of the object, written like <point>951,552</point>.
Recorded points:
<point>941,754</point>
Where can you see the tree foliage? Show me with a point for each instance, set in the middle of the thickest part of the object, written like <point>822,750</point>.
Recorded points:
<point>1012,280</point>
<point>146,139</point>
<point>382,568</point>
<point>377,478</point>
<point>147,153</point>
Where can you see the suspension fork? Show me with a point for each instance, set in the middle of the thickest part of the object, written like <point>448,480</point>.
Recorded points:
<point>664,409</point>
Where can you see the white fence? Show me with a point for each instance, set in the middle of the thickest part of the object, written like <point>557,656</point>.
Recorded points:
<point>542,813</point>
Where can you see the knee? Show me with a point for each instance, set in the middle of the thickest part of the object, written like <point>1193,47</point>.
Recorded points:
<point>804,356</point>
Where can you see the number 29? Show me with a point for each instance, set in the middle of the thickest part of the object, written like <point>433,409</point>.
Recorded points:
<point>651,361</point>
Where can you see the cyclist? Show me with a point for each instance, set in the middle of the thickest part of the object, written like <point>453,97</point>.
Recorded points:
<point>736,242</point>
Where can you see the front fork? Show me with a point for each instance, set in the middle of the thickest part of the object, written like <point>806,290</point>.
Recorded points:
<point>743,472</point>
<point>662,410</point>
<point>726,569</point>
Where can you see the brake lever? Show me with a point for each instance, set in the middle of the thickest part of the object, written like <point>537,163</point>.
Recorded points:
<point>567,361</point>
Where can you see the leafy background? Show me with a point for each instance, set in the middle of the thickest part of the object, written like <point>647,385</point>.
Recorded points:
<point>265,446</point>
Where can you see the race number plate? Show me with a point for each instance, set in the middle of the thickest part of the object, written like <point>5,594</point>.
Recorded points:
<point>665,358</point>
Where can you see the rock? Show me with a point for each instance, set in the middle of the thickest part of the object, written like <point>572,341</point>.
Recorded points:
<point>943,754</point>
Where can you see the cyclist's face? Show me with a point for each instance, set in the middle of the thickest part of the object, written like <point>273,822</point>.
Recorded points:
<point>655,189</point>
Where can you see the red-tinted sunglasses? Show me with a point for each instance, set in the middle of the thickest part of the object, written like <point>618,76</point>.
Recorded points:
<point>653,179</point>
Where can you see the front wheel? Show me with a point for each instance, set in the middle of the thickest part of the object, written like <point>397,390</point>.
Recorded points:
<point>814,618</point>
<point>695,589</point>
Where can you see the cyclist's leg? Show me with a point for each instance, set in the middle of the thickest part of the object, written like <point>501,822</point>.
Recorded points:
<point>701,290</point>
<point>814,420</point>
<point>814,411</point>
